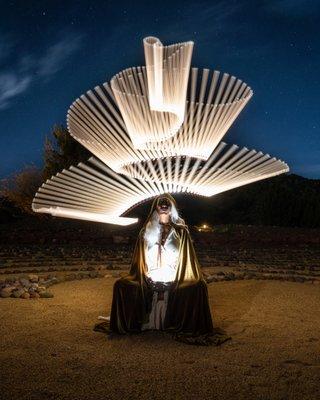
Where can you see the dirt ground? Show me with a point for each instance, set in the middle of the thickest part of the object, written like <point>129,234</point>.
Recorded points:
<point>49,350</point>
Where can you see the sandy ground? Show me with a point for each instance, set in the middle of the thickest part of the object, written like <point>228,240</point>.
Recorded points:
<point>49,350</point>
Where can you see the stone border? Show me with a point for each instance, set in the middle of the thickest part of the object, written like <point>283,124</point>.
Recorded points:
<point>36,286</point>
<point>231,276</point>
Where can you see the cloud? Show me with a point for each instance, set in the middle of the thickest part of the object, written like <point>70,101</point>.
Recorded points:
<point>31,67</point>
<point>57,55</point>
<point>27,63</point>
<point>11,85</point>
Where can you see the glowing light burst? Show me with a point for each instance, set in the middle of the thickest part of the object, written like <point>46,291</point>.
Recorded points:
<point>153,130</point>
<point>152,99</point>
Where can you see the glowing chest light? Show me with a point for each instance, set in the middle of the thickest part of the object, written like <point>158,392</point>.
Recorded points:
<point>162,263</point>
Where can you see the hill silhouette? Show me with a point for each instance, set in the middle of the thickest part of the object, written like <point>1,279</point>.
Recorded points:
<point>286,200</point>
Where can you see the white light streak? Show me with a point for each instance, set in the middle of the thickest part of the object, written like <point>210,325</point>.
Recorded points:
<point>155,129</point>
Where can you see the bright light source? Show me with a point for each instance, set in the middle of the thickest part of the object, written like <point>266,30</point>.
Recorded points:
<point>152,130</point>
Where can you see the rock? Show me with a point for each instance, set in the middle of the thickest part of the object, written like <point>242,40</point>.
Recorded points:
<point>10,288</point>
<point>122,266</point>
<point>120,239</point>
<point>220,273</point>
<point>41,289</point>
<point>211,278</point>
<point>309,281</point>
<point>5,293</point>
<point>25,282</point>
<point>109,265</point>
<point>33,278</point>
<point>34,295</point>
<point>300,279</point>
<point>46,295</point>
<point>70,277</point>
<point>50,282</point>
<point>17,293</point>
<point>25,295</point>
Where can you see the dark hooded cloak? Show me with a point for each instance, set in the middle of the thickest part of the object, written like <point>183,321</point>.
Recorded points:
<point>188,314</point>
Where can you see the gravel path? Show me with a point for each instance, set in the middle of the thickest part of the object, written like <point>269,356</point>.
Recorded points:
<point>49,351</point>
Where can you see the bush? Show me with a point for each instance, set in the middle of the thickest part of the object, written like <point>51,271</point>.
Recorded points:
<point>20,188</point>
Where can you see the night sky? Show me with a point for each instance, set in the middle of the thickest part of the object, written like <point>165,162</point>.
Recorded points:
<point>53,51</point>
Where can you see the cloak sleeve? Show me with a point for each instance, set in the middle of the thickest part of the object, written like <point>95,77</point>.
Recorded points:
<point>132,298</point>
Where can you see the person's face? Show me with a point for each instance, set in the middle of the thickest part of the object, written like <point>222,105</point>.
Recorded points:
<point>163,206</point>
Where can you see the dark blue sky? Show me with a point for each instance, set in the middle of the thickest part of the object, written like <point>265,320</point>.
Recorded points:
<point>53,51</point>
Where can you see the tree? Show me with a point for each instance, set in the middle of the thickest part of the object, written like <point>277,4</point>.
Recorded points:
<point>20,188</point>
<point>61,151</point>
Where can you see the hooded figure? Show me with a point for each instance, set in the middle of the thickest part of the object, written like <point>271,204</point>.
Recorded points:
<point>165,289</point>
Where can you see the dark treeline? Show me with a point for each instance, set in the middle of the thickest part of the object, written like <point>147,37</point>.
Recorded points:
<point>285,200</point>
<point>17,191</point>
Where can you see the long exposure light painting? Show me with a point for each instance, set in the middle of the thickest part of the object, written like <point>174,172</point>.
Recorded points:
<point>154,129</point>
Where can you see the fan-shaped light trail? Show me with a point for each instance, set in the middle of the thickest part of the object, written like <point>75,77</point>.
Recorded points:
<point>152,99</point>
<point>152,130</point>
<point>95,121</point>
